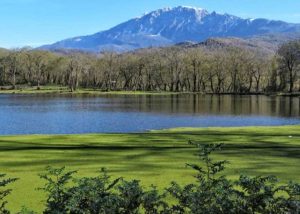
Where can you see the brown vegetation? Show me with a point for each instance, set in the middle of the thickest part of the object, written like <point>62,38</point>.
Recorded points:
<point>217,67</point>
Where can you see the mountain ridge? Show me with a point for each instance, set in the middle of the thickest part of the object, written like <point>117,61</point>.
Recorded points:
<point>169,26</point>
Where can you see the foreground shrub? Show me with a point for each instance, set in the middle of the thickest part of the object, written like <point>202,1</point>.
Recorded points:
<point>260,195</point>
<point>57,189</point>
<point>216,194</point>
<point>25,210</point>
<point>153,202</point>
<point>93,195</point>
<point>130,196</point>
<point>210,193</point>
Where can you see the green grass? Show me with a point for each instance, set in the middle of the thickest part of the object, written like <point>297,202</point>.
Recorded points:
<point>156,157</point>
<point>87,91</point>
<point>54,89</point>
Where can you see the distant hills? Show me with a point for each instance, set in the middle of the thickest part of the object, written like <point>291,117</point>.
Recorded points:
<point>267,43</point>
<point>170,26</point>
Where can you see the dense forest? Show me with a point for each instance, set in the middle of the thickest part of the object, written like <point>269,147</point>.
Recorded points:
<point>213,68</point>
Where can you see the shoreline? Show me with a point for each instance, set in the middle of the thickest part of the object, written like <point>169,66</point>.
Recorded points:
<point>89,91</point>
<point>182,130</point>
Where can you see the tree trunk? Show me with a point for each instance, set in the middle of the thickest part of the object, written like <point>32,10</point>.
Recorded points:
<point>291,81</point>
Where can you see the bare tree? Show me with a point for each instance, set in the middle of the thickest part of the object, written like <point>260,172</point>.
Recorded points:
<point>289,60</point>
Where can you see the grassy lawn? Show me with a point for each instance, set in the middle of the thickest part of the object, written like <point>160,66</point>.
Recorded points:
<point>156,157</point>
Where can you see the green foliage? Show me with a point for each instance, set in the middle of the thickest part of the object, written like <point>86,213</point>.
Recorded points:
<point>293,191</point>
<point>211,168</point>
<point>93,195</point>
<point>131,195</point>
<point>210,194</point>
<point>25,210</point>
<point>153,202</point>
<point>4,192</point>
<point>57,190</point>
<point>98,194</point>
<point>258,195</point>
<point>217,194</point>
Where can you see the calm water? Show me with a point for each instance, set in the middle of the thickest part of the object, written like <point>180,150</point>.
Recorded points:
<point>53,114</point>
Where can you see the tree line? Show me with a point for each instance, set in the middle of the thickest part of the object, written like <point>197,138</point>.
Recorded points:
<point>213,69</point>
<point>210,193</point>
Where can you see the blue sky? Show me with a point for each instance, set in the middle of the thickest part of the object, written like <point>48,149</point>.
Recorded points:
<point>37,22</point>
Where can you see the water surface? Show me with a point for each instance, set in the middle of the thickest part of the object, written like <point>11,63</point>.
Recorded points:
<point>67,114</point>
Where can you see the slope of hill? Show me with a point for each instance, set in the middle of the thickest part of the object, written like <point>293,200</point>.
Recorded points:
<point>268,43</point>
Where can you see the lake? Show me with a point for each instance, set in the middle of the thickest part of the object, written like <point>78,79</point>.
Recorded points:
<point>70,114</point>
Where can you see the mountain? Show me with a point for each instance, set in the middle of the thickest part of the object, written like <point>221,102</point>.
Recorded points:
<point>169,26</point>
<point>3,50</point>
<point>266,44</point>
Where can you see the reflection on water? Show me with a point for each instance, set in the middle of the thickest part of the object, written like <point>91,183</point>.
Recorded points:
<point>38,114</point>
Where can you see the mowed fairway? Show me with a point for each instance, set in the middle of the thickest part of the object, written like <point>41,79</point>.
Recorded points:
<point>156,157</point>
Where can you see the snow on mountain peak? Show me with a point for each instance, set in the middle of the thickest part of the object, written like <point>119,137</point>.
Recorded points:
<point>179,9</point>
<point>190,8</point>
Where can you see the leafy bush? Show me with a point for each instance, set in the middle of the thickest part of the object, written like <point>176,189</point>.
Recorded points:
<point>216,194</point>
<point>153,202</point>
<point>25,210</point>
<point>210,193</point>
<point>57,190</point>
<point>130,195</point>
<point>93,195</point>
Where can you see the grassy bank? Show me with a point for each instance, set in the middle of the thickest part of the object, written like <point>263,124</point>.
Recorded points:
<point>91,91</point>
<point>83,91</point>
<point>156,157</point>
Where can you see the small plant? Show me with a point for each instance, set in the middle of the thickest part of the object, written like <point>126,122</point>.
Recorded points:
<point>4,192</point>
<point>210,193</point>
<point>131,195</point>
<point>25,210</point>
<point>154,202</point>
<point>57,190</point>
